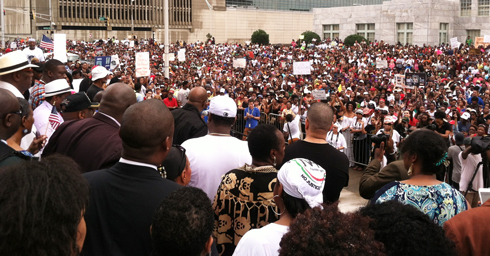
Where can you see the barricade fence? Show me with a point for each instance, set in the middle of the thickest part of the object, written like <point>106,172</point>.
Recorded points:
<point>361,148</point>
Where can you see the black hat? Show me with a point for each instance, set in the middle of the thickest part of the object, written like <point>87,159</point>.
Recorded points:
<point>175,162</point>
<point>78,101</point>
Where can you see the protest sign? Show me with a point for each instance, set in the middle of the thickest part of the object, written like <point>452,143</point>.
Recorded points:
<point>381,64</point>
<point>399,80</point>
<point>301,68</point>
<point>13,45</point>
<point>479,41</point>
<point>413,80</point>
<point>142,64</point>
<point>104,61</point>
<point>171,56</point>
<point>240,63</point>
<point>131,44</point>
<point>454,42</point>
<point>319,94</point>
<point>59,51</point>
<point>486,39</point>
<point>181,55</point>
<point>114,61</point>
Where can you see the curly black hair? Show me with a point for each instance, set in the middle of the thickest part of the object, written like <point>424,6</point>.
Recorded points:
<point>327,231</point>
<point>183,223</point>
<point>428,146</point>
<point>405,230</point>
<point>41,205</point>
<point>262,140</point>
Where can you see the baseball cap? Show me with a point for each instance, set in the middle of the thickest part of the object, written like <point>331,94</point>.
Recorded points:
<point>99,72</point>
<point>359,111</point>
<point>171,91</point>
<point>223,106</point>
<point>222,90</point>
<point>78,101</point>
<point>303,179</point>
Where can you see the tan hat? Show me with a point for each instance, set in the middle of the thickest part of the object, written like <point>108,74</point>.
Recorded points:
<point>13,62</point>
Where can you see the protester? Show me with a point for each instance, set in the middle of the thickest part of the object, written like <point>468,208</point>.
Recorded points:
<point>404,230</point>
<point>124,197</point>
<point>170,101</point>
<point>99,80</point>
<point>94,143</point>
<point>42,206</point>
<point>424,155</point>
<point>316,232</point>
<point>188,121</point>
<point>244,200</point>
<point>294,192</point>
<point>252,117</point>
<point>52,70</point>
<point>11,121</point>
<point>471,173</point>
<point>15,73</point>
<point>176,166</point>
<point>453,156</point>
<point>78,106</point>
<point>183,224</point>
<point>335,138</point>
<point>27,121</point>
<point>291,129</point>
<point>218,152</point>
<point>315,148</point>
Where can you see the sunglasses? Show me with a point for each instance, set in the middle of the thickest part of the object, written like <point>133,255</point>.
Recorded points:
<point>18,112</point>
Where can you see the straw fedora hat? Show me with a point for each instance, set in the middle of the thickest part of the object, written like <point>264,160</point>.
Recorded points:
<point>13,62</point>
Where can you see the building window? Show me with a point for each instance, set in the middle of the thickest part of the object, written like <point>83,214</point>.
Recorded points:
<point>404,33</point>
<point>483,7</point>
<point>472,34</point>
<point>331,31</point>
<point>366,30</point>
<point>465,7</point>
<point>443,28</point>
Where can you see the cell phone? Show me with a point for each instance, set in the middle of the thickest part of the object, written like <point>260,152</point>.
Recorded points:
<point>484,194</point>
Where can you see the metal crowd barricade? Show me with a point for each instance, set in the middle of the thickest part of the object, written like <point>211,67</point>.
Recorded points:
<point>362,150</point>
<point>275,119</point>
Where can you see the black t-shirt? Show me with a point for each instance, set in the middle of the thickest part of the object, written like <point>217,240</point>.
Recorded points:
<point>442,130</point>
<point>92,91</point>
<point>335,163</point>
<point>85,84</point>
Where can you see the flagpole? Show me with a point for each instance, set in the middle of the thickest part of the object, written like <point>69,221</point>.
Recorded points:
<point>48,124</point>
<point>3,23</point>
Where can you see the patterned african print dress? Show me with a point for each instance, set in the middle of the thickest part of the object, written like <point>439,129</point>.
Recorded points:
<point>440,202</point>
<point>244,201</point>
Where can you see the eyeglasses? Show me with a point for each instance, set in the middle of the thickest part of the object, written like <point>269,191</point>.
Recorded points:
<point>183,157</point>
<point>18,112</point>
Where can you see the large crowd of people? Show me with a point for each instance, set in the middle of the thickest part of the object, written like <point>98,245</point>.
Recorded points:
<point>223,159</point>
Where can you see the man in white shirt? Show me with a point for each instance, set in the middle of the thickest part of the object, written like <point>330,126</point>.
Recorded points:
<point>183,95</point>
<point>15,73</point>
<point>469,162</point>
<point>32,51</point>
<point>217,153</point>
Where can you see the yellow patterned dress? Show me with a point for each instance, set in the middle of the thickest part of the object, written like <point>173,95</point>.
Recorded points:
<point>244,201</point>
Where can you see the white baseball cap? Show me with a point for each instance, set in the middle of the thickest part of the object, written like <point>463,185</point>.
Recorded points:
<point>223,106</point>
<point>99,72</point>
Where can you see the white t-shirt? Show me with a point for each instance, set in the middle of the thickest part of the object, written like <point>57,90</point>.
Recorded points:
<point>468,167</point>
<point>211,157</point>
<point>36,53</point>
<point>261,242</point>
<point>336,140</point>
<point>76,84</point>
<point>183,96</point>
<point>395,136</point>
<point>294,127</point>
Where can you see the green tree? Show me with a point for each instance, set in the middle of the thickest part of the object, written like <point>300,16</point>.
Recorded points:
<point>260,37</point>
<point>351,40</point>
<point>309,35</point>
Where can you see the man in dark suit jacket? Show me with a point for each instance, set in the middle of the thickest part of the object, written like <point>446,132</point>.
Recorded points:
<point>94,143</point>
<point>124,197</point>
<point>11,119</point>
<point>469,230</point>
<point>188,121</point>
<point>373,178</point>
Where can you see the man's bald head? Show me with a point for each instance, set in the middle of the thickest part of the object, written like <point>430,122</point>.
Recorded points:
<point>198,97</point>
<point>10,121</point>
<point>145,127</point>
<point>320,117</point>
<point>116,99</point>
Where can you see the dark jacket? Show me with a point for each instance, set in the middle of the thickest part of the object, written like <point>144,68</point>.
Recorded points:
<point>93,143</point>
<point>373,178</point>
<point>122,202</point>
<point>8,156</point>
<point>188,124</point>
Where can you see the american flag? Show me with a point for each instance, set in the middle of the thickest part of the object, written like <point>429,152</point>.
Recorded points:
<point>47,43</point>
<point>54,118</point>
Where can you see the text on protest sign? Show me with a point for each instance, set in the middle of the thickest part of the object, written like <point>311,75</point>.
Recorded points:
<point>142,64</point>
<point>59,52</point>
<point>381,64</point>
<point>240,63</point>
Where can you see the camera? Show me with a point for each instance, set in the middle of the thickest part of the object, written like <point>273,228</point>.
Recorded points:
<point>377,139</point>
<point>480,144</point>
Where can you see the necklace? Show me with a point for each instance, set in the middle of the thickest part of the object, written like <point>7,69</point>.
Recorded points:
<point>219,134</point>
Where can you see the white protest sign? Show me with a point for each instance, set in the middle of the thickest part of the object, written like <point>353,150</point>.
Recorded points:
<point>454,42</point>
<point>319,94</point>
<point>486,39</point>
<point>181,54</point>
<point>239,63</point>
<point>142,64</point>
<point>13,45</point>
<point>171,56</point>
<point>114,61</point>
<point>283,64</point>
<point>301,68</point>
<point>399,81</point>
<point>131,44</point>
<point>59,52</point>
<point>381,64</point>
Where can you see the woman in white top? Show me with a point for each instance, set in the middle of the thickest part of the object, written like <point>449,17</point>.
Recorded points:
<point>335,138</point>
<point>291,129</point>
<point>348,119</point>
<point>299,187</point>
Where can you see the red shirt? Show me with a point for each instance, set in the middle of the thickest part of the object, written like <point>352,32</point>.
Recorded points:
<point>171,103</point>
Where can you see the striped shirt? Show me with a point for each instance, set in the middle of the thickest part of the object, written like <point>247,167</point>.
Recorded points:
<point>37,94</point>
